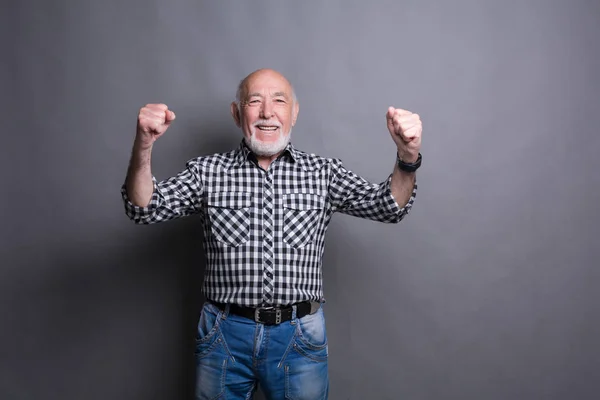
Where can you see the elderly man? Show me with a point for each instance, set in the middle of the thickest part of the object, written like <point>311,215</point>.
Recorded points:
<point>265,207</point>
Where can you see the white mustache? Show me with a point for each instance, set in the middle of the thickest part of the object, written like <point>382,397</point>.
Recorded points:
<point>264,122</point>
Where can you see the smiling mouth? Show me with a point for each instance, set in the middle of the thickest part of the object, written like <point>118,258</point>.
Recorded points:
<point>267,128</point>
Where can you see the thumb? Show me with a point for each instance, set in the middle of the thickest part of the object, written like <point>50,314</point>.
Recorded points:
<point>390,113</point>
<point>390,118</point>
<point>169,116</point>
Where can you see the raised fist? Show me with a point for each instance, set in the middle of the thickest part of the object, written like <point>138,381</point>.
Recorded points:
<point>406,128</point>
<point>153,122</point>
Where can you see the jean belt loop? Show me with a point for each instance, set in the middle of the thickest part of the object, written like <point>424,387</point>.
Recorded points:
<point>294,311</point>
<point>226,311</point>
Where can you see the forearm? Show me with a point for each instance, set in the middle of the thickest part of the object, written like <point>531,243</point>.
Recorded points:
<point>402,185</point>
<point>139,183</point>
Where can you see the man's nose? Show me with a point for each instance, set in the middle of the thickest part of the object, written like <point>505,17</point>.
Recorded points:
<point>266,110</point>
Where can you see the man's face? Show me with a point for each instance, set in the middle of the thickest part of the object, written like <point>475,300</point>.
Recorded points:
<point>267,112</point>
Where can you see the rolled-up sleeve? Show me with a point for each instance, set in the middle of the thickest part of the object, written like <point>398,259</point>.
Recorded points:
<point>353,195</point>
<point>172,198</point>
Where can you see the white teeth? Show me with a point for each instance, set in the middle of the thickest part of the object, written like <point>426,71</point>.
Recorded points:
<point>267,128</point>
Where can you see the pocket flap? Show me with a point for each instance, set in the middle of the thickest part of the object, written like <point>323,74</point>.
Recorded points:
<point>232,200</point>
<point>303,201</point>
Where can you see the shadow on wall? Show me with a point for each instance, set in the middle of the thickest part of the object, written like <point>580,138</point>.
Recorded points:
<point>107,311</point>
<point>119,311</point>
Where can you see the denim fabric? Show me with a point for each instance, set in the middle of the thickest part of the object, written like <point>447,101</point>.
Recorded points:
<point>235,354</point>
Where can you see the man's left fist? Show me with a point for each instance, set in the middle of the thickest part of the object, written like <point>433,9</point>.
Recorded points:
<point>405,128</point>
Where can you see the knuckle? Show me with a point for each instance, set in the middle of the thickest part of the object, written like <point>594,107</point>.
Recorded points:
<point>153,106</point>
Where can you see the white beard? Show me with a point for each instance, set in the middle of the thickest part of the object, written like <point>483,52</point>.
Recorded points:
<point>268,149</point>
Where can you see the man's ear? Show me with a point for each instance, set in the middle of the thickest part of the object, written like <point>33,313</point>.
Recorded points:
<point>235,113</point>
<point>295,113</point>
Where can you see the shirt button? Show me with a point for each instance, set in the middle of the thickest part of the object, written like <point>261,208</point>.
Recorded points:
<point>270,275</point>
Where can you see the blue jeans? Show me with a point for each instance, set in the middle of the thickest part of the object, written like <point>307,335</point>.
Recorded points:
<point>234,354</point>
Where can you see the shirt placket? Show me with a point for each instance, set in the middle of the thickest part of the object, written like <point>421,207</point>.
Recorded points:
<point>268,270</point>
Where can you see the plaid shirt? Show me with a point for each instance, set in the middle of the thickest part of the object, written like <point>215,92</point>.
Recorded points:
<point>264,231</point>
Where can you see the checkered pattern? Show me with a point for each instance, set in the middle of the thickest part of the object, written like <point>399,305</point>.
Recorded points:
<point>264,231</point>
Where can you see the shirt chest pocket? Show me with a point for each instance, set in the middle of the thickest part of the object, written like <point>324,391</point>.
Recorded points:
<point>301,217</point>
<point>229,215</point>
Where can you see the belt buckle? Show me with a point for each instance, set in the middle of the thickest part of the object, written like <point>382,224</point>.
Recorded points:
<point>277,315</point>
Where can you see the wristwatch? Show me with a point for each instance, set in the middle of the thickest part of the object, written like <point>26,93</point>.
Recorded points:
<point>408,167</point>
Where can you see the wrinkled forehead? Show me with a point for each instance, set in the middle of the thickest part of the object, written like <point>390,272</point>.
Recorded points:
<point>266,84</point>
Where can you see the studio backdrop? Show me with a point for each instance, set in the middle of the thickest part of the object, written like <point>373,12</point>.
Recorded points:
<point>487,290</point>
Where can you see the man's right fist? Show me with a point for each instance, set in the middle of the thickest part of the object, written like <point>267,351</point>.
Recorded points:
<point>153,121</point>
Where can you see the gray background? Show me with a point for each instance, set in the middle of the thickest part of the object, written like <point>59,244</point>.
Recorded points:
<point>488,290</point>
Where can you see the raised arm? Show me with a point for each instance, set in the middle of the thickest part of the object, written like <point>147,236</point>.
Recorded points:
<point>392,199</point>
<point>405,128</point>
<point>146,200</point>
<point>153,122</point>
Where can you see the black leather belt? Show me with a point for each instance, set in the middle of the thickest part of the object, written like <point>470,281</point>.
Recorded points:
<point>271,315</point>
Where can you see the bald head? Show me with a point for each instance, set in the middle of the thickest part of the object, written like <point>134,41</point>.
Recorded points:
<point>263,74</point>
<point>266,109</point>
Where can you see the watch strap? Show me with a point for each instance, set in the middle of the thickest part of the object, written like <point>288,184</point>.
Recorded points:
<point>409,167</point>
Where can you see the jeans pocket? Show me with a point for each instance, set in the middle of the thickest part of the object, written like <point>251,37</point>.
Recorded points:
<point>212,355</point>
<point>208,325</point>
<point>311,340</point>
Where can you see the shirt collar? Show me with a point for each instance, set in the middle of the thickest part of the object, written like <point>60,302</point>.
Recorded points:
<point>243,152</point>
